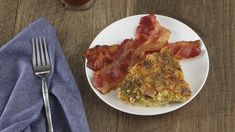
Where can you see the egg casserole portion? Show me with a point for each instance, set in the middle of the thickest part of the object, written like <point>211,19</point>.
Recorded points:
<point>157,80</point>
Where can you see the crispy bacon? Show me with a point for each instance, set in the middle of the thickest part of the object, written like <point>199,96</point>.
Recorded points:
<point>128,53</point>
<point>154,43</point>
<point>147,25</point>
<point>99,56</point>
<point>111,74</point>
<point>185,49</point>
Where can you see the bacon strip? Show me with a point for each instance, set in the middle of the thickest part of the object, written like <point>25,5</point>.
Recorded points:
<point>147,26</point>
<point>112,67</point>
<point>185,49</point>
<point>100,55</point>
<point>149,31</point>
<point>110,75</point>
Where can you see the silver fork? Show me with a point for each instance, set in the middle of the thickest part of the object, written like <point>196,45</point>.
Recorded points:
<point>42,68</point>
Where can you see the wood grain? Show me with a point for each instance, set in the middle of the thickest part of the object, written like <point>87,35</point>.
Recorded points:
<point>212,110</point>
<point>8,13</point>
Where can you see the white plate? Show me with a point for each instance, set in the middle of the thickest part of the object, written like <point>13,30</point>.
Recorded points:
<point>195,69</point>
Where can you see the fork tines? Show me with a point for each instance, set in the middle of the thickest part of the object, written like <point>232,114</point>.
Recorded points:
<point>40,52</point>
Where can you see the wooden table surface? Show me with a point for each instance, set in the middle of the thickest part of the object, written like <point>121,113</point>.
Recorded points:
<point>214,107</point>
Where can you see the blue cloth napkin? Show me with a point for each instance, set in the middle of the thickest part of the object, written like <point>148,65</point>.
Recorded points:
<point>21,102</point>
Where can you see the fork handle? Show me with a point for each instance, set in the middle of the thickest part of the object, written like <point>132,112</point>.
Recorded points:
<point>47,104</point>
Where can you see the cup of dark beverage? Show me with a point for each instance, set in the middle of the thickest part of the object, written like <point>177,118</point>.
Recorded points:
<point>78,4</point>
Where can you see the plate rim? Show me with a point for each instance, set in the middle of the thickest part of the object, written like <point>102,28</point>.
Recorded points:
<point>159,113</point>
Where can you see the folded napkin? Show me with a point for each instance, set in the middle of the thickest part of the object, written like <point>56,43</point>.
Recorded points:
<point>21,102</point>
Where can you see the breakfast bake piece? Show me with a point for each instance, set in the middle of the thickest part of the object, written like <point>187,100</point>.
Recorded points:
<point>157,80</point>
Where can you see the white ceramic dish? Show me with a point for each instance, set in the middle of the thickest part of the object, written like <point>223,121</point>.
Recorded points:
<point>195,69</point>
